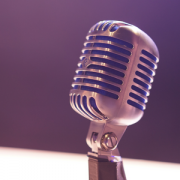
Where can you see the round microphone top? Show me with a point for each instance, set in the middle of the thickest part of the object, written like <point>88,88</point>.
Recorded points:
<point>114,73</point>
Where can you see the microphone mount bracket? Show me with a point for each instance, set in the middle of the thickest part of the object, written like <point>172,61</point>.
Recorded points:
<point>103,139</point>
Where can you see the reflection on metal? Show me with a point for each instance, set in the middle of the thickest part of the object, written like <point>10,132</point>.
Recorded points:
<point>111,85</point>
<point>109,141</point>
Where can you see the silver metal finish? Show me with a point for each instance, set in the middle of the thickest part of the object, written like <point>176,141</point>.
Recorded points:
<point>109,141</point>
<point>114,111</point>
<point>112,82</point>
<point>100,145</point>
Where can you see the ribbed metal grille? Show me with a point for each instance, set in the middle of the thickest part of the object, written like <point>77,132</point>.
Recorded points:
<point>93,104</point>
<point>102,66</point>
<point>144,76</point>
<point>115,48</point>
<point>79,103</point>
<point>112,39</point>
<point>109,65</point>
<point>105,25</point>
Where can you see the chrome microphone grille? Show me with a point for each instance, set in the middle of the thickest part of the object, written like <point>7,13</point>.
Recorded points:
<point>144,78</point>
<point>114,73</point>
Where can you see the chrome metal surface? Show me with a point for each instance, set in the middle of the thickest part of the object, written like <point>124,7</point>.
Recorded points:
<point>109,141</point>
<point>116,69</point>
<point>94,140</point>
<point>112,82</point>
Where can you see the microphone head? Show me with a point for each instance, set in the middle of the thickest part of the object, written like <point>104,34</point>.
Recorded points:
<point>114,73</point>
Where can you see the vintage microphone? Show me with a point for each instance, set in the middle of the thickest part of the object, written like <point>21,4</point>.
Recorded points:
<point>111,86</point>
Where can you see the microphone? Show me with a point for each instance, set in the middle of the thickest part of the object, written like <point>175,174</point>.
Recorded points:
<point>112,83</point>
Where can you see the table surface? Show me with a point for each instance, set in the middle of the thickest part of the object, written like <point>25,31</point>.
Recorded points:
<point>24,164</point>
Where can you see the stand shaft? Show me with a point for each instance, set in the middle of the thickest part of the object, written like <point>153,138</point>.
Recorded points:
<point>100,169</point>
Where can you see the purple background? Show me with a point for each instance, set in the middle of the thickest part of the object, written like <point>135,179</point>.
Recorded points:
<point>40,45</point>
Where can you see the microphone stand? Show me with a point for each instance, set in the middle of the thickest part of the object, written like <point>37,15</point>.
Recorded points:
<point>105,162</point>
<point>102,169</point>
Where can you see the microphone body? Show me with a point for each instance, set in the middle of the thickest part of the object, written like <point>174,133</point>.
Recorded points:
<point>112,82</point>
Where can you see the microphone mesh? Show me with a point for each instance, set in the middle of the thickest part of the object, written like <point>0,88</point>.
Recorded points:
<point>147,66</point>
<point>112,61</point>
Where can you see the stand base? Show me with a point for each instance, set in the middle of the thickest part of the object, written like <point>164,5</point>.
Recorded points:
<point>101,169</point>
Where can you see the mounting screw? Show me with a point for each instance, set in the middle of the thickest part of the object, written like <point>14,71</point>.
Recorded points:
<point>109,141</point>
